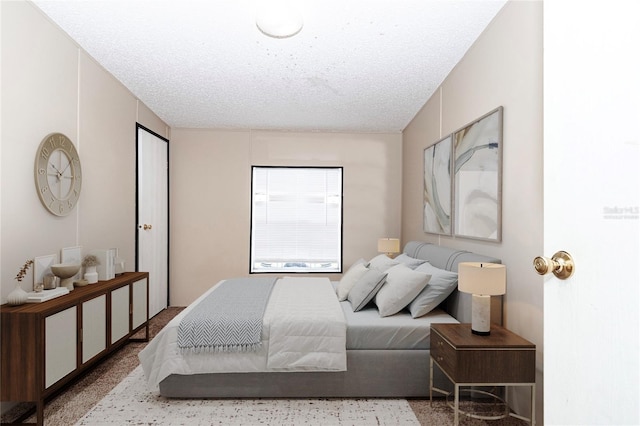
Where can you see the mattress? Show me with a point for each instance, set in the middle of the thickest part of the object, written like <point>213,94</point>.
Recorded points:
<point>367,330</point>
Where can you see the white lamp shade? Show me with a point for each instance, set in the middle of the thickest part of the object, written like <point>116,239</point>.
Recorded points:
<point>489,279</point>
<point>388,245</point>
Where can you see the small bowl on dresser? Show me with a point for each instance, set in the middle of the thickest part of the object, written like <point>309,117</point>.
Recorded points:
<point>66,272</point>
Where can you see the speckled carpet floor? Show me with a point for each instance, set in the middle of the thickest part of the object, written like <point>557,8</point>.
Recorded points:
<point>110,394</point>
<point>131,404</point>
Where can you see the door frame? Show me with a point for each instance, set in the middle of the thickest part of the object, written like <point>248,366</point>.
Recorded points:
<point>137,217</point>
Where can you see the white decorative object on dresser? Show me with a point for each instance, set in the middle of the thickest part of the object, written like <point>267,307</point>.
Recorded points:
<point>42,266</point>
<point>43,296</point>
<point>106,267</point>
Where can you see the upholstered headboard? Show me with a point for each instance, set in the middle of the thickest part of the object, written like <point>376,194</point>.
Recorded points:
<point>457,304</point>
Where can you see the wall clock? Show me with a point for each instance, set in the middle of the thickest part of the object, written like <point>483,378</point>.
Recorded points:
<point>58,174</point>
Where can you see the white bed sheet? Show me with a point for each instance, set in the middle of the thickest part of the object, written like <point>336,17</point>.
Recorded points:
<point>161,357</point>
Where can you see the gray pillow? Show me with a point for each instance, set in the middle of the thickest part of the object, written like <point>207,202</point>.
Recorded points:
<point>440,286</point>
<point>366,288</point>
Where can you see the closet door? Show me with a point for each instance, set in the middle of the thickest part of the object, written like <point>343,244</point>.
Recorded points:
<point>152,241</point>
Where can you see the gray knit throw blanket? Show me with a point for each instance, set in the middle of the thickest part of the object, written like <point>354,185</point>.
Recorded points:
<point>227,320</point>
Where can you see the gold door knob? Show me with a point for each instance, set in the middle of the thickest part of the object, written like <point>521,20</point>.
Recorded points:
<point>561,264</point>
<point>146,227</point>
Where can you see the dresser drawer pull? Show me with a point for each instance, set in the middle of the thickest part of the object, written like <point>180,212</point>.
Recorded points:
<point>440,359</point>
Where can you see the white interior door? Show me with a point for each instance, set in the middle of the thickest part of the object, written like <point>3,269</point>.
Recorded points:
<point>153,216</point>
<point>591,199</point>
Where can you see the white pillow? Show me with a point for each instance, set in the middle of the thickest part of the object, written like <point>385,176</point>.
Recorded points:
<point>366,289</point>
<point>441,285</point>
<point>402,285</point>
<point>382,262</point>
<point>349,279</point>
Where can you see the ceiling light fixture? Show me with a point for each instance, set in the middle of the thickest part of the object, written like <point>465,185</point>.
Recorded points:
<point>279,19</point>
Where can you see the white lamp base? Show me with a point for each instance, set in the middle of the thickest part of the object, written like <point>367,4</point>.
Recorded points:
<point>481,315</point>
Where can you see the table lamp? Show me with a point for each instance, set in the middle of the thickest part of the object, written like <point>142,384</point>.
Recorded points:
<point>482,280</point>
<point>389,246</point>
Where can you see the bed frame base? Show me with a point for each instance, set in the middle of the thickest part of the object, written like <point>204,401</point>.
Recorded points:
<point>370,374</point>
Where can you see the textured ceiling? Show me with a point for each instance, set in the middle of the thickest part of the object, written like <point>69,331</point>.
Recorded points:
<point>357,65</point>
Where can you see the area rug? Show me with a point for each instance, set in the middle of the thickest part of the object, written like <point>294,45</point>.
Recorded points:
<point>130,403</point>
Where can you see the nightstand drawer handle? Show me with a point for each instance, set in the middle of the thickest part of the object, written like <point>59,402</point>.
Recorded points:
<point>440,343</point>
<point>440,359</point>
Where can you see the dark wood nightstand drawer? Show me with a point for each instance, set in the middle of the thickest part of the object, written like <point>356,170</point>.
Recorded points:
<point>495,366</point>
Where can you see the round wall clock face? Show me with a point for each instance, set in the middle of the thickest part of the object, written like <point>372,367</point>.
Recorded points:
<point>58,174</point>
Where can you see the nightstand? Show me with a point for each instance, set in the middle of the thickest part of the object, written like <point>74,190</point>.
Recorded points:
<point>501,359</point>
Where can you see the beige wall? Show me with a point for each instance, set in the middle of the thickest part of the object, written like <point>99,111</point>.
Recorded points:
<point>503,67</point>
<point>211,199</point>
<point>51,85</point>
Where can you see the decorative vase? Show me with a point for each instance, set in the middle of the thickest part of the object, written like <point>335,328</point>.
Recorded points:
<point>18,296</point>
<point>90,274</point>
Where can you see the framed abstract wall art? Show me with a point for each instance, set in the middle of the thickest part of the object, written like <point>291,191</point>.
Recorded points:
<point>477,171</point>
<point>437,187</point>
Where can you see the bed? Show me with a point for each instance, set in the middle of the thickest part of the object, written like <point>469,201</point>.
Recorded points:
<point>384,356</point>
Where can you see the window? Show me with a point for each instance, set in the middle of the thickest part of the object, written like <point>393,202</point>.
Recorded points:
<point>296,219</point>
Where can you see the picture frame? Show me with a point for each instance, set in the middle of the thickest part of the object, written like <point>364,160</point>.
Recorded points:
<point>477,182</point>
<point>72,255</point>
<point>42,266</point>
<point>437,190</point>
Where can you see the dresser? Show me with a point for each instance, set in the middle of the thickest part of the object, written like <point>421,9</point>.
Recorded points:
<point>46,345</point>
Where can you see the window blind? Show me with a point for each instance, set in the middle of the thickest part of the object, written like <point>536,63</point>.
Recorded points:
<point>296,219</point>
